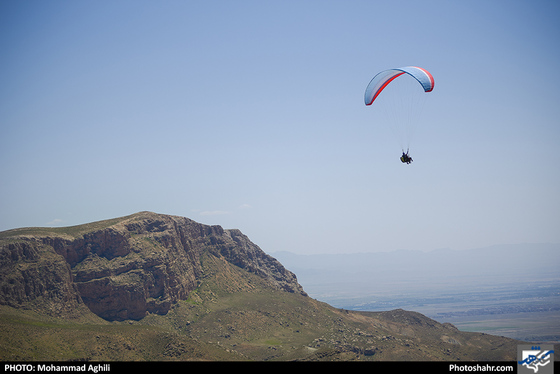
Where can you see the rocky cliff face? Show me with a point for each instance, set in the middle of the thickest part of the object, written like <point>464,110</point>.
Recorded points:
<point>123,268</point>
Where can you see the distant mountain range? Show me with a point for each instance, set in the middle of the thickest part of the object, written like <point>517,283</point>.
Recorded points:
<point>157,287</point>
<point>435,270</point>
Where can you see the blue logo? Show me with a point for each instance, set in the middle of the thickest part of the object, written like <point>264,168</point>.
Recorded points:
<point>535,359</point>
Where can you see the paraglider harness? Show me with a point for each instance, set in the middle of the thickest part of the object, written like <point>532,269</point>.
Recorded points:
<point>405,158</point>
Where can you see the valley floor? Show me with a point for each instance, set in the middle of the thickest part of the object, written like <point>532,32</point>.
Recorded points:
<point>529,313</point>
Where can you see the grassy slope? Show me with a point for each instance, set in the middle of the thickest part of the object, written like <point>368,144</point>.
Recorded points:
<point>31,337</point>
<point>69,231</point>
<point>234,315</point>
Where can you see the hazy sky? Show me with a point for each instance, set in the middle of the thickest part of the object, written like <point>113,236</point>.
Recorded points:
<point>250,115</point>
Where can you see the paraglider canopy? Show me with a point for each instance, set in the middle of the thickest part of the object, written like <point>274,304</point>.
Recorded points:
<point>381,80</point>
<point>403,104</point>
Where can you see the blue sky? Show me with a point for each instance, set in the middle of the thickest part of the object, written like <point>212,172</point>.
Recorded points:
<point>250,115</point>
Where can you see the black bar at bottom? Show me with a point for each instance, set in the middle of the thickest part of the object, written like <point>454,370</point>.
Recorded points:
<point>164,367</point>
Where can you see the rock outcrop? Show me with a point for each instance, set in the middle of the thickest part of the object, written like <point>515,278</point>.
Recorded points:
<point>123,268</point>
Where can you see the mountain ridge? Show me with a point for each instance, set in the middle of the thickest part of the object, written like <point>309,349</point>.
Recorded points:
<point>145,261</point>
<point>158,287</point>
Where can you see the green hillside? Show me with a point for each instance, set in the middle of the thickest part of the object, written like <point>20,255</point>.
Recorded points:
<point>197,293</point>
<point>235,315</point>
